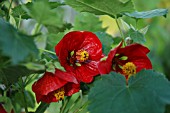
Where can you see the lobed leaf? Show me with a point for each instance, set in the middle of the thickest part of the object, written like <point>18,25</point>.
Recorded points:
<point>146,92</point>
<point>102,7</point>
<point>88,22</point>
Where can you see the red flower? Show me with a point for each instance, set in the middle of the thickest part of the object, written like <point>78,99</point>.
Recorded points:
<point>127,60</point>
<point>79,52</point>
<point>53,87</point>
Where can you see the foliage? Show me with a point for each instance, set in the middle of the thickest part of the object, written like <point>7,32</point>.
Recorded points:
<point>26,54</point>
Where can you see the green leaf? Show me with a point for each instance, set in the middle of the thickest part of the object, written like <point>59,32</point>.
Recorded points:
<point>87,22</point>
<point>101,7</point>
<point>7,103</point>
<point>55,4</point>
<point>19,99</point>
<point>146,92</point>
<point>43,14</point>
<point>42,107</point>
<point>136,36</point>
<point>10,75</point>
<point>54,39</point>
<point>106,40</point>
<point>144,30</point>
<point>54,107</point>
<point>19,11</point>
<point>15,44</point>
<point>148,14</point>
<point>56,29</point>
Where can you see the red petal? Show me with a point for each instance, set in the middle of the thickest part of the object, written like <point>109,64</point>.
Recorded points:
<point>46,98</point>
<point>92,45</point>
<point>71,41</point>
<point>105,66</point>
<point>86,72</point>
<point>137,54</point>
<point>48,83</point>
<point>71,88</point>
<point>67,76</point>
<point>133,50</point>
<point>2,110</point>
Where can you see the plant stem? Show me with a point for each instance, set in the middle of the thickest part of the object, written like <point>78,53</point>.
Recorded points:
<point>23,92</point>
<point>121,33</point>
<point>19,23</point>
<point>48,51</point>
<point>37,28</point>
<point>10,5</point>
<point>65,103</point>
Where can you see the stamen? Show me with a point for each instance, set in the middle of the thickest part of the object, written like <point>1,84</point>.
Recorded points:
<point>59,94</point>
<point>82,55</point>
<point>129,69</point>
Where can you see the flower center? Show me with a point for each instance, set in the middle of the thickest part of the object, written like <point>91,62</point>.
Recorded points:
<point>129,69</point>
<point>82,55</point>
<point>59,94</point>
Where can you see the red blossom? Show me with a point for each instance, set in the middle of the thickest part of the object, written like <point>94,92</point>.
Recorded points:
<point>47,86</point>
<point>79,52</point>
<point>117,57</point>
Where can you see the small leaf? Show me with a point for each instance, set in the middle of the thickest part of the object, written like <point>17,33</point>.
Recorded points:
<point>146,92</point>
<point>106,40</point>
<point>102,7</point>
<point>19,11</point>
<point>136,36</point>
<point>148,14</point>
<point>144,30</point>
<point>15,44</point>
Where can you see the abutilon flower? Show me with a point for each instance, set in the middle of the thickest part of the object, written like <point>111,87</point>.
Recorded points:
<point>53,87</point>
<point>127,60</point>
<point>79,52</point>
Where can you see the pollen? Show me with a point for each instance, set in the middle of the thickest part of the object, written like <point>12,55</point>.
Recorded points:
<point>129,69</point>
<point>59,94</point>
<point>82,55</point>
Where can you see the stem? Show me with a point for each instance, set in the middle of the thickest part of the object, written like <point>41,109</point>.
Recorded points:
<point>37,28</point>
<point>136,22</point>
<point>65,103</point>
<point>23,92</point>
<point>19,23</point>
<point>9,10</point>
<point>121,33</point>
<point>48,51</point>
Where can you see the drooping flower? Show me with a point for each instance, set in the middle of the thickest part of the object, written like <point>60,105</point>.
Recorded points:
<point>53,87</point>
<point>79,52</point>
<point>126,60</point>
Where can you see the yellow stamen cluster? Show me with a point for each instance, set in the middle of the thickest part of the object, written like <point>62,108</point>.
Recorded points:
<point>59,94</point>
<point>129,69</point>
<point>82,55</point>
